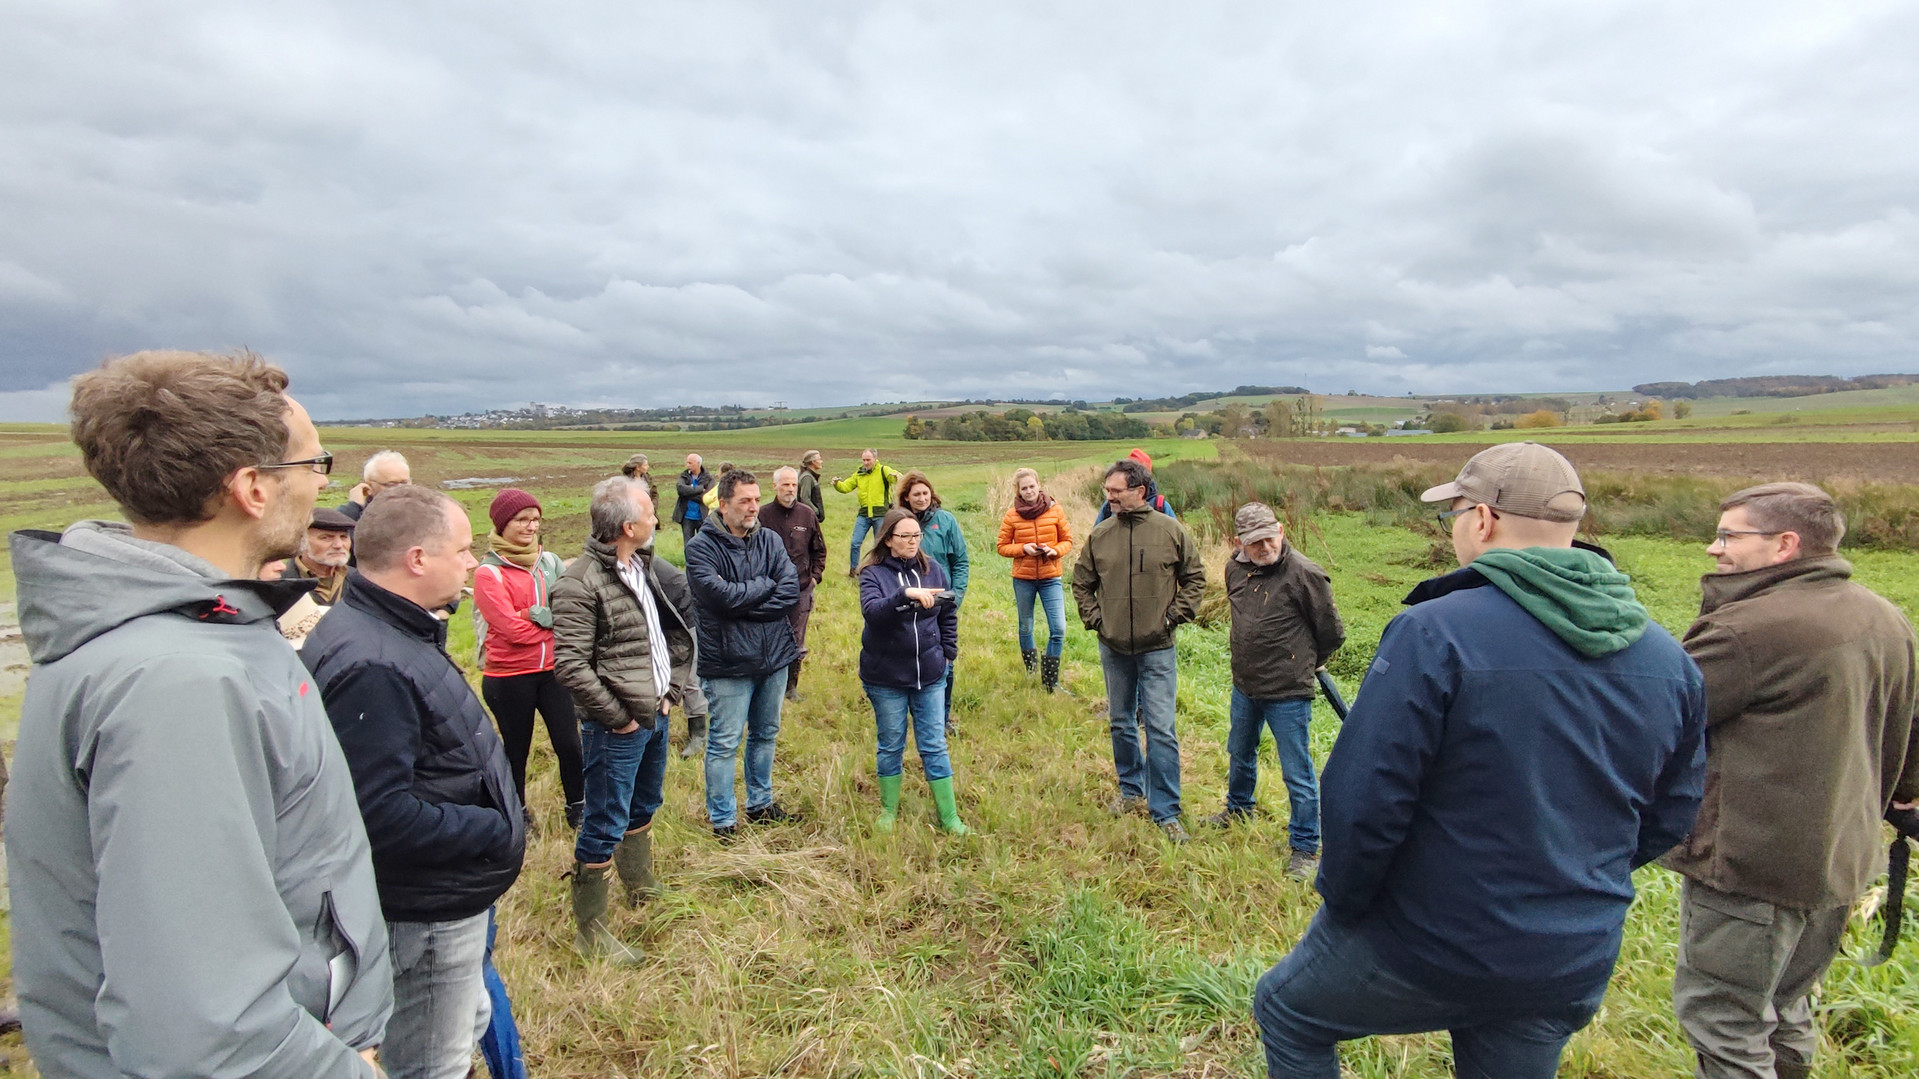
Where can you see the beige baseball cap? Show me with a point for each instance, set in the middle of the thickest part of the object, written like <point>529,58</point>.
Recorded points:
<point>1524,479</point>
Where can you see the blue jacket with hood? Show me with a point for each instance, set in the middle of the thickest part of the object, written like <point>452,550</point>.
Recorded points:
<point>1524,740</point>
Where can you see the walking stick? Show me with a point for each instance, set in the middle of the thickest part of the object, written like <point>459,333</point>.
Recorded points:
<point>1331,689</point>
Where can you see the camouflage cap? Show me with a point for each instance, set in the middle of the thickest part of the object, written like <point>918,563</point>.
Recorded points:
<point>1255,521</point>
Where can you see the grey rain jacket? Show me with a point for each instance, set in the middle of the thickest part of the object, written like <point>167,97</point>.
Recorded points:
<point>193,893</point>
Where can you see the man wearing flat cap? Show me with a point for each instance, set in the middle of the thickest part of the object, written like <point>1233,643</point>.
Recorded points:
<point>1285,628</point>
<point>324,553</point>
<point>1525,738</point>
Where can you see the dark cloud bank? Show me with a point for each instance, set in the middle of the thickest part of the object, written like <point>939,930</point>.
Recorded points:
<point>464,206</point>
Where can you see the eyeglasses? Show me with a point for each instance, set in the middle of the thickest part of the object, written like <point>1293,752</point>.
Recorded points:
<point>907,535</point>
<point>322,464</point>
<point>1724,536</point>
<point>1445,519</point>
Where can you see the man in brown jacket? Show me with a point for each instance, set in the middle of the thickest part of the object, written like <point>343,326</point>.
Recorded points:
<point>799,528</point>
<point>1137,580</point>
<point>1285,627</point>
<point>1810,695</point>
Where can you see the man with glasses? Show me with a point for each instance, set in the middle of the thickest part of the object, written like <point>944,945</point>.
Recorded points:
<point>1137,580</point>
<point>1525,738</point>
<point>193,892</point>
<point>384,469</point>
<point>1811,692</point>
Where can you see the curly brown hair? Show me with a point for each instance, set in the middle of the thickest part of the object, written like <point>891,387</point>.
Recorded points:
<point>162,431</point>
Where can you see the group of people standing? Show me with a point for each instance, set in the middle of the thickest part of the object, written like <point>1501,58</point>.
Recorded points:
<point>234,857</point>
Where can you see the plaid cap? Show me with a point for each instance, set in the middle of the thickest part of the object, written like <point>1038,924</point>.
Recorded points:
<point>1524,479</point>
<point>1254,522</point>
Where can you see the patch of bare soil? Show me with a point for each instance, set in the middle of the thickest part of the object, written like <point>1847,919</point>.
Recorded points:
<point>1808,462</point>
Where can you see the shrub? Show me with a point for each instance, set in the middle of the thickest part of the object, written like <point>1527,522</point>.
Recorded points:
<point>1542,418</point>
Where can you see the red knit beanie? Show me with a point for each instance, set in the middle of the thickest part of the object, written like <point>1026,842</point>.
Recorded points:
<point>507,505</point>
<point>1140,456</point>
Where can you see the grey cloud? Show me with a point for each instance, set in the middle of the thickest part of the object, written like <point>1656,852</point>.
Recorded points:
<point>436,209</point>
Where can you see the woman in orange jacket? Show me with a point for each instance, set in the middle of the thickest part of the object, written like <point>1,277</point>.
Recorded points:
<point>1036,536</point>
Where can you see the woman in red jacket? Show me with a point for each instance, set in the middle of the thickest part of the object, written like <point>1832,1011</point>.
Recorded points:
<point>1036,536</point>
<point>510,591</point>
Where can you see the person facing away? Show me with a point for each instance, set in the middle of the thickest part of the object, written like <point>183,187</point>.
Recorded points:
<point>1285,628</point>
<point>743,585</point>
<point>1525,738</point>
<point>513,618</point>
<point>1036,535</point>
<point>691,488</point>
<point>434,784</point>
<point>387,468</point>
<point>192,890</point>
<point>1810,693</point>
<point>1137,580</point>
<point>623,621</point>
<point>798,527</point>
<point>907,647</point>
<point>872,487</point>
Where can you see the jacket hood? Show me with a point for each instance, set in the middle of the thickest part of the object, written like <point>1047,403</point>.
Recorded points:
<point>1719,589</point>
<point>1575,593</point>
<point>95,577</point>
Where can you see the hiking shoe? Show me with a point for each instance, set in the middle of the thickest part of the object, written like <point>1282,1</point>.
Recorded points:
<point>726,834</point>
<point>1228,817</point>
<point>1175,831</point>
<point>1302,866</point>
<point>770,813</point>
<point>1127,805</point>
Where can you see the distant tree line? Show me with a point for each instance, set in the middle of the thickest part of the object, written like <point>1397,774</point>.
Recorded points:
<point>1172,404</point>
<point>1025,425</point>
<point>1772,386</point>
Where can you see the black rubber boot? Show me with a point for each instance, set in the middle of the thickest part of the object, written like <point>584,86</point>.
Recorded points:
<point>1049,673</point>
<point>1030,657</point>
<point>575,814</point>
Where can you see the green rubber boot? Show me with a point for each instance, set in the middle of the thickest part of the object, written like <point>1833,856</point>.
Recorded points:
<point>949,813</point>
<point>633,859</point>
<point>889,803</point>
<point>591,885</point>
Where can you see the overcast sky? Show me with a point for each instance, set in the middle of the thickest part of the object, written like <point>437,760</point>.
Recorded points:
<point>449,206</point>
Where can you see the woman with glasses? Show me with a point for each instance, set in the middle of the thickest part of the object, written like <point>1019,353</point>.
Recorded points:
<point>941,541</point>
<point>1036,536</point>
<point>911,635</point>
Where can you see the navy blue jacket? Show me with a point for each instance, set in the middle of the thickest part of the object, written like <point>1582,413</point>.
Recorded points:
<point>905,649</point>
<point>430,773</point>
<point>1492,791</point>
<point>742,591</point>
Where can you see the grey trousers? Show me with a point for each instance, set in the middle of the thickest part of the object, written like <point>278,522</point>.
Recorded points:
<point>1741,985</point>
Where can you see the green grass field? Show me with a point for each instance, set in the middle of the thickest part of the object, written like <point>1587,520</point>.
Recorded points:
<point>1057,942</point>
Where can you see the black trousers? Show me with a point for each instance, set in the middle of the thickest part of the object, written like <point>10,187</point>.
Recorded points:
<point>513,700</point>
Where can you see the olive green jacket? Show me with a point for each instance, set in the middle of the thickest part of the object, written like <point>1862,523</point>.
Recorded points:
<point>1810,695</point>
<point>1137,579</point>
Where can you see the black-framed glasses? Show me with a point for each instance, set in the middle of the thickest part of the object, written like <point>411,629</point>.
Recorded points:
<point>322,464</point>
<point>1445,518</point>
<point>1724,536</point>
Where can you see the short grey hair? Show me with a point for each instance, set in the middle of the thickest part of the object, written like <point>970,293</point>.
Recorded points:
<point>614,507</point>
<point>384,457</point>
<point>787,470</point>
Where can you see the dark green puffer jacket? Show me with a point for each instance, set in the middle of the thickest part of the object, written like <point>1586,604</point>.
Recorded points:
<point>601,653</point>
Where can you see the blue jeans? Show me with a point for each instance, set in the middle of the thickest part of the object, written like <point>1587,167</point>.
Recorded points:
<point>1289,721</point>
<point>1052,597</point>
<point>862,524</point>
<point>440,1002</point>
<point>1140,692</point>
<point>1334,987</point>
<point>736,706</point>
<point>625,778</point>
<point>928,707</point>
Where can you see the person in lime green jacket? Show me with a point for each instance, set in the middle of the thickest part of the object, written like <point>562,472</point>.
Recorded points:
<point>874,483</point>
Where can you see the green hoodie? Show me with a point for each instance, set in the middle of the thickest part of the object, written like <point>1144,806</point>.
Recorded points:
<point>1576,593</point>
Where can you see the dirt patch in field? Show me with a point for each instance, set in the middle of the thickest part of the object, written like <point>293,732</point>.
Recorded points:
<point>1810,462</point>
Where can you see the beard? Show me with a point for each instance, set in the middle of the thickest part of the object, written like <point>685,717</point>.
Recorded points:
<point>283,529</point>
<point>335,559</point>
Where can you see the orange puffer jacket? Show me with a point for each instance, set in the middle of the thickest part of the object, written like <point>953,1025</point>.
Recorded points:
<point>1048,529</point>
